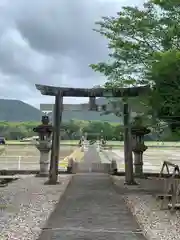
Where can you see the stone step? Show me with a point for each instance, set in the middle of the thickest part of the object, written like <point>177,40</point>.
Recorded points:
<point>94,167</point>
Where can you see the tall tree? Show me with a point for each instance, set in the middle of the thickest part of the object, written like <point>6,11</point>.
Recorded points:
<point>131,42</point>
<point>165,72</point>
<point>135,37</point>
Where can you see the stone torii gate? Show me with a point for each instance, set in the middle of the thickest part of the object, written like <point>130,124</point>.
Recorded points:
<point>60,92</point>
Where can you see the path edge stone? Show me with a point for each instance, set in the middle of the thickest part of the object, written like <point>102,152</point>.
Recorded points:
<point>61,196</point>
<point>147,232</point>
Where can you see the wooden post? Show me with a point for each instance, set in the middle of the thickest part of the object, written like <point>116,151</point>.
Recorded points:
<point>128,159</point>
<point>58,108</point>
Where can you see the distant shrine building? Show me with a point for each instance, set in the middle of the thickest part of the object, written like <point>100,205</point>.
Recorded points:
<point>100,106</point>
<point>81,111</point>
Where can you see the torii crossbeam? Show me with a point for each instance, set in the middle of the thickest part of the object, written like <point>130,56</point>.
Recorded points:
<point>92,93</point>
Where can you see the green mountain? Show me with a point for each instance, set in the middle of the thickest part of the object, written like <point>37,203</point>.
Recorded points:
<point>18,111</point>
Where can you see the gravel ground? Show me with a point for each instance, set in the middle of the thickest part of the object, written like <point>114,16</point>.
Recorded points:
<point>26,204</point>
<point>156,224</point>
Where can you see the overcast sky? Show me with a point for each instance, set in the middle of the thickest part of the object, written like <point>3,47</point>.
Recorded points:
<point>51,42</point>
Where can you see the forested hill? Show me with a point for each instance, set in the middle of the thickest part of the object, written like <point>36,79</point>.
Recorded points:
<point>18,111</point>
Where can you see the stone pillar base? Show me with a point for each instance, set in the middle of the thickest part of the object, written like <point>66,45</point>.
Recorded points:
<point>44,148</point>
<point>114,168</point>
<point>138,164</point>
<point>48,182</point>
<point>132,183</point>
<point>42,174</point>
<point>138,171</point>
<point>44,163</point>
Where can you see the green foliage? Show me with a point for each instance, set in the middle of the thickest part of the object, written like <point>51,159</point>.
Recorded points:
<point>165,72</point>
<point>131,43</point>
<point>17,130</point>
<point>114,131</point>
<point>144,49</point>
<point>132,40</point>
<point>72,129</point>
<point>167,4</point>
<point>134,35</point>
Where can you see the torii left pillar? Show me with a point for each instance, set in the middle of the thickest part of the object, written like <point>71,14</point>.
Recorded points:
<point>129,177</point>
<point>58,109</point>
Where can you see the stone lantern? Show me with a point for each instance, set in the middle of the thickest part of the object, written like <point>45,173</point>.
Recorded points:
<point>138,147</point>
<point>44,144</point>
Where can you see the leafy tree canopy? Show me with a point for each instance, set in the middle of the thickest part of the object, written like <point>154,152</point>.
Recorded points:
<point>165,72</point>
<point>143,42</point>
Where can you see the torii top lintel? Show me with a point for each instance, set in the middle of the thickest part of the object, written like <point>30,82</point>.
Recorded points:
<point>92,92</point>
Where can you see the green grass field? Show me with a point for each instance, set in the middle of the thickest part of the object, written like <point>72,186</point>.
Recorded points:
<point>109,143</point>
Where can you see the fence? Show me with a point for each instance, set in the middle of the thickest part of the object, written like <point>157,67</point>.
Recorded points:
<point>22,162</point>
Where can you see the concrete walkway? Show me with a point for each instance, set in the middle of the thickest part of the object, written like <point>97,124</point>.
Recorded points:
<point>91,209</point>
<point>90,157</point>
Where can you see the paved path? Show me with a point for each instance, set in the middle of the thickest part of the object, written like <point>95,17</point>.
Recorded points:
<point>153,158</point>
<point>91,156</point>
<point>91,209</point>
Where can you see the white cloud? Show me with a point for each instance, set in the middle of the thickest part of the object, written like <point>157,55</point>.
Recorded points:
<point>50,42</point>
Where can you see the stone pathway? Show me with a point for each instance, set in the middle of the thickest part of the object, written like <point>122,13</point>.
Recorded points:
<point>90,157</point>
<point>91,209</point>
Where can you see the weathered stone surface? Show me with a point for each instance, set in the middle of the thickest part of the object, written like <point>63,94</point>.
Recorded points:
<point>91,157</point>
<point>91,209</point>
<point>100,235</point>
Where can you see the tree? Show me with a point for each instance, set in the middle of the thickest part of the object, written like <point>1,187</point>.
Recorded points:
<point>131,43</point>
<point>165,72</point>
<point>134,35</point>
